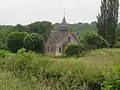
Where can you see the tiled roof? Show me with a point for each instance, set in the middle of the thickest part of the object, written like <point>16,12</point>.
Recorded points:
<point>56,36</point>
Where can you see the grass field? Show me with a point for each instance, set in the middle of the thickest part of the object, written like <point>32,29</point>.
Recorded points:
<point>30,71</point>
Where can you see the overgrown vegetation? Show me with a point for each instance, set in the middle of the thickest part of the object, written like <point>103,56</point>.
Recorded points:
<point>90,41</point>
<point>31,71</point>
<point>97,69</point>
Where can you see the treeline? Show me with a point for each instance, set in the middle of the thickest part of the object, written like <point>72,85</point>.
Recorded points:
<point>79,28</point>
<point>15,41</point>
<point>42,28</point>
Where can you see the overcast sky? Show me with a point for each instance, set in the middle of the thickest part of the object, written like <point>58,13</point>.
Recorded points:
<point>27,11</point>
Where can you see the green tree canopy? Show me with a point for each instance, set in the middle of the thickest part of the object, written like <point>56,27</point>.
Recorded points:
<point>43,28</point>
<point>107,20</point>
<point>15,41</point>
<point>92,40</point>
<point>34,42</point>
<point>21,28</point>
<point>75,50</point>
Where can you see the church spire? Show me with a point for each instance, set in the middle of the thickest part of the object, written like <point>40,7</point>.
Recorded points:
<point>64,24</point>
<point>64,20</point>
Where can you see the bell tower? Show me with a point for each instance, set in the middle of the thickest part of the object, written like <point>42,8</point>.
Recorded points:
<point>64,24</point>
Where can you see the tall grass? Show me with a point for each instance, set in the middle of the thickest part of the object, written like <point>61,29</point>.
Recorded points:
<point>31,71</point>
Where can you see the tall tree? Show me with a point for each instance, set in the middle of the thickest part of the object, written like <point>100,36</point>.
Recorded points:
<point>15,41</point>
<point>43,28</point>
<point>34,42</point>
<point>21,28</point>
<point>107,20</point>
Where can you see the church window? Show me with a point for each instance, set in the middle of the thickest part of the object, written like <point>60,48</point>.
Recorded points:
<point>52,49</point>
<point>60,50</point>
<point>48,49</point>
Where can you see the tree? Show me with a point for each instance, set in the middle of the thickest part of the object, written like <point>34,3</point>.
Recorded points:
<point>92,40</point>
<point>75,50</point>
<point>21,28</point>
<point>3,37</point>
<point>107,20</point>
<point>34,42</point>
<point>15,41</point>
<point>43,28</point>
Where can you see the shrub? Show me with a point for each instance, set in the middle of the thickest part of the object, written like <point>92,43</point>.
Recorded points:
<point>118,39</point>
<point>112,81</point>
<point>93,41</point>
<point>117,45</point>
<point>34,42</point>
<point>15,41</point>
<point>3,46</point>
<point>75,50</point>
<point>22,50</point>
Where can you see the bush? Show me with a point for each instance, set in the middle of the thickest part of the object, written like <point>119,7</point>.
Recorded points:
<point>112,81</point>
<point>3,46</point>
<point>117,45</point>
<point>34,42</point>
<point>15,41</point>
<point>93,41</point>
<point>75,50</point>
<point>118,39</point>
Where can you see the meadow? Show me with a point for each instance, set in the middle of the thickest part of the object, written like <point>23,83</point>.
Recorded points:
<point>31,71</point>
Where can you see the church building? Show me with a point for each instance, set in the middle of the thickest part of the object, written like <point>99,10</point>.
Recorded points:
<point>59,39</point>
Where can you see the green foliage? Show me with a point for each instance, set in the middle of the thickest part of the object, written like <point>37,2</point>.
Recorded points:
<point>21,28</point>
<point>75,50</point>
<point>34,42</point>
<point>21,51</point>
<point>112,81</point>
<point>29,71</point>
<point>79,28</point>
<point>117,45</point>
<point>107,20</point>
<point>93,41</point>
<point>43,28</point>
<point>15,41</point>
<point>3,37</point>
<point>3,53</point>
<point>3,46</point>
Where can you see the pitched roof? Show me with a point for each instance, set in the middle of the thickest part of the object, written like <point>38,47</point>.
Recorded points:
<point>56,36</point>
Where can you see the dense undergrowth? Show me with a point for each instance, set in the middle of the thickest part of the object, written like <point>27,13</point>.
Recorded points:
<point>31,71</point>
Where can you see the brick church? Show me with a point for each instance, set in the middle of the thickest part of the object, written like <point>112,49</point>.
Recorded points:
<point>59,39</point>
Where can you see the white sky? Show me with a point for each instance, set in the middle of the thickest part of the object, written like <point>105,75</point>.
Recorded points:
<point>27,11</point>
